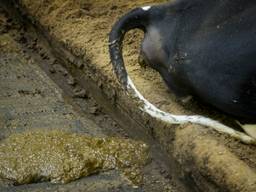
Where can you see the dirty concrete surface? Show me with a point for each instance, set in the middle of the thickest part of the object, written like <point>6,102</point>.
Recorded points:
<point>81,28</point>
<point>31,100</point>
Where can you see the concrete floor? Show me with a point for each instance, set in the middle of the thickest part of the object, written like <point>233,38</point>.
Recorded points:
<point>30,100</point>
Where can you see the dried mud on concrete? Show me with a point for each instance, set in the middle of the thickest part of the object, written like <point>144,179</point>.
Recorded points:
<point>82,28</point>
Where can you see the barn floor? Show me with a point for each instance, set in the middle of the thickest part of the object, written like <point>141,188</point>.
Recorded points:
<point>78,34</point>
<point>83,27</point>
<point>32,100</point>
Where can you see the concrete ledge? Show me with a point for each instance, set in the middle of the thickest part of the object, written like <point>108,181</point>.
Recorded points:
<point>200,153</point>
<point>205,160</point>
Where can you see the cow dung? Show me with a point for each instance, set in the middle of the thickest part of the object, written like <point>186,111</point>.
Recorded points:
<point>61,157</point>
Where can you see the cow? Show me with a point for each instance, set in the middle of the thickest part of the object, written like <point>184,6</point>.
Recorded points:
<point>204,49</point>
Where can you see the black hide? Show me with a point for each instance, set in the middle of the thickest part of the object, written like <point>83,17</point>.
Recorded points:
<point>202,48</point>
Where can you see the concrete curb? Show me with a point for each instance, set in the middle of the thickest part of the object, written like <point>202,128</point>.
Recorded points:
<point>204,163</point>
<point>213,161</point>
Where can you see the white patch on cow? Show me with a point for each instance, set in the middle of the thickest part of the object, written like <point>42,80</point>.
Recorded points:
<point>153,111</point>
<point>146,8</point>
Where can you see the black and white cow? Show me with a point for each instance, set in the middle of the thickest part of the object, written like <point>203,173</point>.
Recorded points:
<point>206,49</point>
